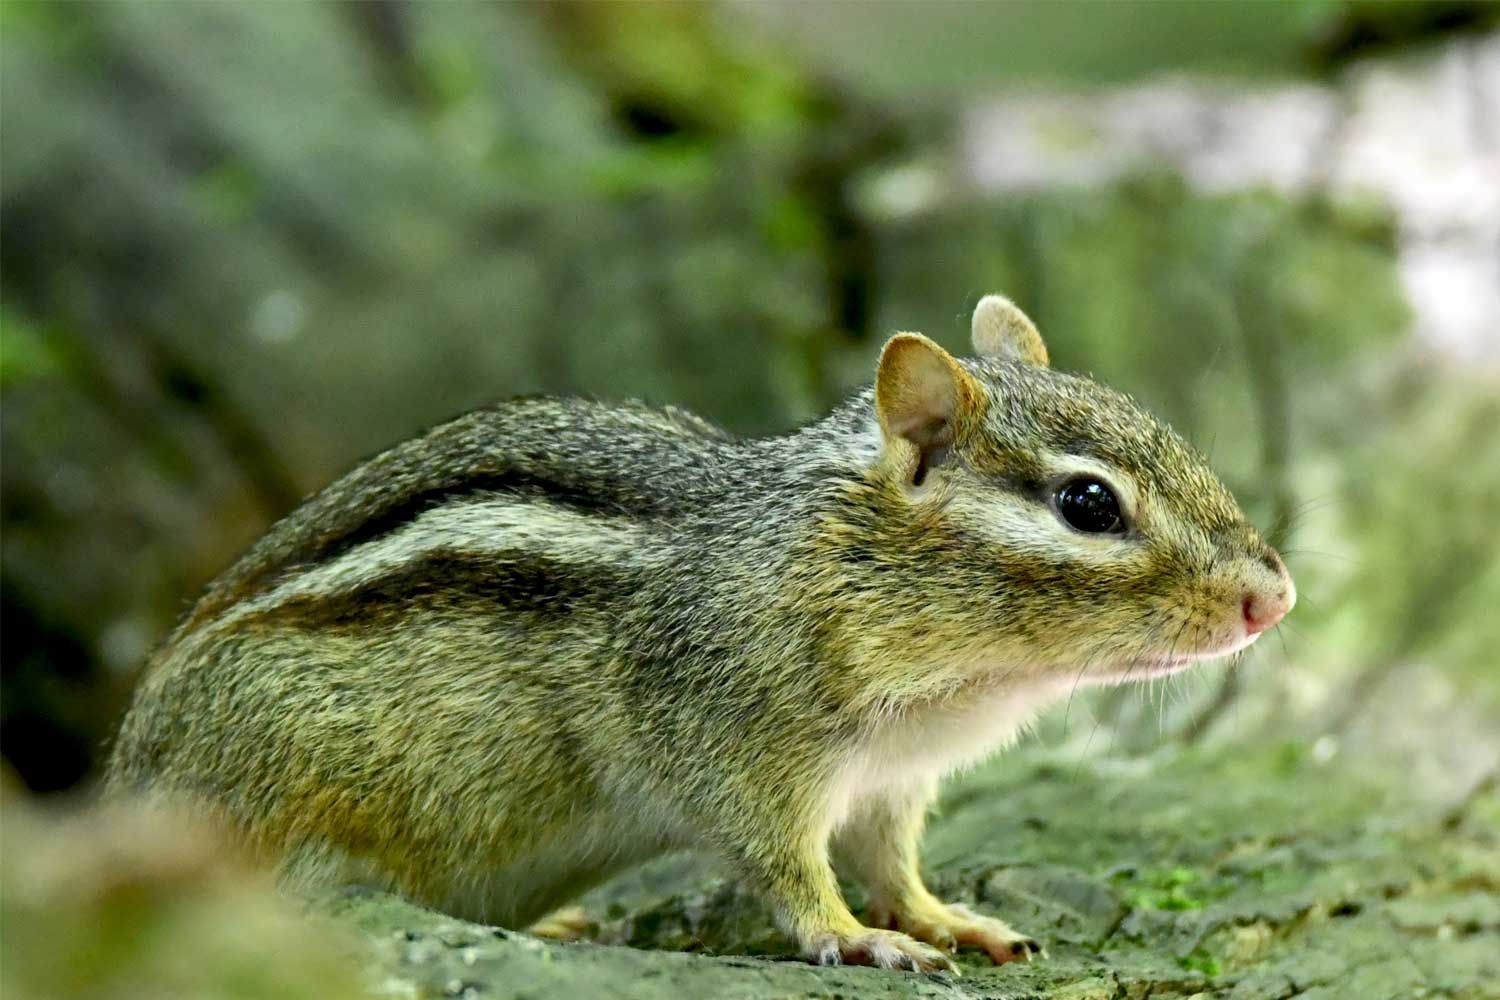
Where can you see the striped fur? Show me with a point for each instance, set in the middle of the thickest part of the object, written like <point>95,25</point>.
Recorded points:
<point>546,640</point>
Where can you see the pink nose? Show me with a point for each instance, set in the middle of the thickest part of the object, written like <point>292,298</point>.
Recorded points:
<point>1262,610</point>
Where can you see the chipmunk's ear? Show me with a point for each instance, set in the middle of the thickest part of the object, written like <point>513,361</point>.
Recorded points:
<point>1002,330</point>
<point>922,396</point>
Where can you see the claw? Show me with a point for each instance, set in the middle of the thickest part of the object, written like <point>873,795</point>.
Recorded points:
<point>880,948</point>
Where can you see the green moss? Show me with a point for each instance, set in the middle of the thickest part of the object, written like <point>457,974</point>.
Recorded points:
<point>1201,961</point>
<point>1172,889</point>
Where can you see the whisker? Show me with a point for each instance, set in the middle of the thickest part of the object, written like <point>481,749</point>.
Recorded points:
<point>1290,553</point>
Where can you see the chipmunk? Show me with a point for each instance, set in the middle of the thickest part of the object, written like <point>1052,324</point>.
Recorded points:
<point>552,638</point>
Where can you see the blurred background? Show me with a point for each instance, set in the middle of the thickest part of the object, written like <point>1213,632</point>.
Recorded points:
<point>243,245</point>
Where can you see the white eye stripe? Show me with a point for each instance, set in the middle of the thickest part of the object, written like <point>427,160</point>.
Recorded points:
<point>1032,525</point>
<point>1027,527</point>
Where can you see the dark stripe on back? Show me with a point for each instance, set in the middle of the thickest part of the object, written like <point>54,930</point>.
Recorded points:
<point>599,497</point>
<point>467,583</point>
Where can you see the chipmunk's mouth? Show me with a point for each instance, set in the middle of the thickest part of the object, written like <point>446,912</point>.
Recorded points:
<point>1148,667</point>
<point>1159,666</point>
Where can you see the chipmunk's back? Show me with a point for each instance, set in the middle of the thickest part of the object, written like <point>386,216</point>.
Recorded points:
<point>587,458</point>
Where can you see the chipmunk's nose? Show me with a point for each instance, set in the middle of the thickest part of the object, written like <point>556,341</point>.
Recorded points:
<point>1266,605</point>
<point>1264,610</point>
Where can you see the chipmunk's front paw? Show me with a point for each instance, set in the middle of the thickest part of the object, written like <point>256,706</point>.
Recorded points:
<point>882,949</point>
<point>949,925</point>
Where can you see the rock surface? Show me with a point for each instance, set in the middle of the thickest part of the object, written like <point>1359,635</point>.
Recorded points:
<point>1261,876</point>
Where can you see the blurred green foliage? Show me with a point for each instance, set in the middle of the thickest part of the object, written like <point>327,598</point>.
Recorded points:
<point>112,904</point>
<point>25,353</point>
<point>943,48</point>
<point>951,47</point>
<point>246,244</point>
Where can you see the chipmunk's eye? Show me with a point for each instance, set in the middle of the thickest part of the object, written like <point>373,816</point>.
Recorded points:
<point>1089,505</point>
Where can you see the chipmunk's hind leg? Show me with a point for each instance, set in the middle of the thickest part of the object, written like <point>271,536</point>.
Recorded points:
<point>538,891</point>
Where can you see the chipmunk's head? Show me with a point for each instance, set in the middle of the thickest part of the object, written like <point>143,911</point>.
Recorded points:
<point>1053,520</point>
